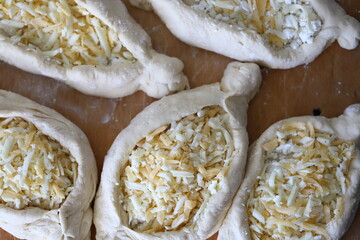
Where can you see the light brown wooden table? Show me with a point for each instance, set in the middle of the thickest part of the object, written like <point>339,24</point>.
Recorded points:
<point>330,83</point>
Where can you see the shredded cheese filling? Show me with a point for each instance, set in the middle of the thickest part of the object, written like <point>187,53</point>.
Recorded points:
<point>302,185</point>
<point>282,22</point>
<point>172,173</point>
<point>61,30</point>
<point>35,170</point>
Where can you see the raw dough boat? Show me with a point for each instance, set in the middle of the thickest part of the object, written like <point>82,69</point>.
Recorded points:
<point>48,172</point>
<point>302,181</point>
<point>94,46</point>
<point>273,33</point>
<point>172,173</point>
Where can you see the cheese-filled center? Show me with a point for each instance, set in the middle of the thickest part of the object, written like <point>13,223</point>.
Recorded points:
<point>35,170</point>
<point>302,185</point>
<point>282,22</point>
<point>62,31</point>
<point>174,171</point>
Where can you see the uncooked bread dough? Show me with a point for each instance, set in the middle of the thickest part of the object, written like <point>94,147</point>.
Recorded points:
<point>94,46</point>
<point>276,34</point>
<point>36,212</point>
<point>127,208</point>
<point>302,180</point>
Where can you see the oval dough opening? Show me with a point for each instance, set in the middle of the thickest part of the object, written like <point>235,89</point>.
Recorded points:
<point>35,170</point>
<point>61,31</point>
<point>302,185</point>
<point>283,23</point>
<point>175,170</point>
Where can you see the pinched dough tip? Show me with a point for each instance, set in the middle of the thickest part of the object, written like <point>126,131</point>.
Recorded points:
<point>163,75</point>
<point>353,110</point>
<point>241,78</point>
<point>350,34</point>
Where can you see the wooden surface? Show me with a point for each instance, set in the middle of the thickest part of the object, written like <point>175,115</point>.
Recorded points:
<point>330,83</point>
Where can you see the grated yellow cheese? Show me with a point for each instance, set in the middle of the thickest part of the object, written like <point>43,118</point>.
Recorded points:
<point>302,185</point>
<point>35,170</point>
<point>281,22</point>
<point>61,30</point>
<point>171,174</point>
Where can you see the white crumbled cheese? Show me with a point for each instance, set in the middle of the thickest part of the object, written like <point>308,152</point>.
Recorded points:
<point>35,170</point>
<point>61,30</point>
<point>302,185</point>
<point>173,171</point>
<point>283,23</point>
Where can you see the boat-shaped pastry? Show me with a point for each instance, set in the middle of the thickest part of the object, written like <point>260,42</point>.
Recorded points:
<point>301,182</point>
<point>273,33</point>
<point>172,173</point>
<point>94,46</point>
<point>47,173</point>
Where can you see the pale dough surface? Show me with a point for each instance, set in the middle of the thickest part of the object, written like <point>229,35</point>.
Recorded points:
<point>73,220</point>
<point>346,126</point>
<point>154,73</point>
<point>238,86</point>
<point>198,29</point>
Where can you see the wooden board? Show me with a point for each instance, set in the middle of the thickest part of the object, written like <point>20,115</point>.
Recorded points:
<point>330,83</point>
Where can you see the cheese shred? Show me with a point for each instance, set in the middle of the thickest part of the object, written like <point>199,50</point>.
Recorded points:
<point>171,173</point>
<point>302,185</point>
<point>282,22</point>
<point>35,170</point>
<point>62,31</point>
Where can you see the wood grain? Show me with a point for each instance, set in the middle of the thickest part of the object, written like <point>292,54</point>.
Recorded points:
<point>330,84</point>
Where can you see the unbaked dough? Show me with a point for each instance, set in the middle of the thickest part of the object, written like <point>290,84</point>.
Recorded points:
<point>238,86</point>
<point>94,46</point>
<point>318,210</point>
<point>72,219</point>
<point>216,32</point>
